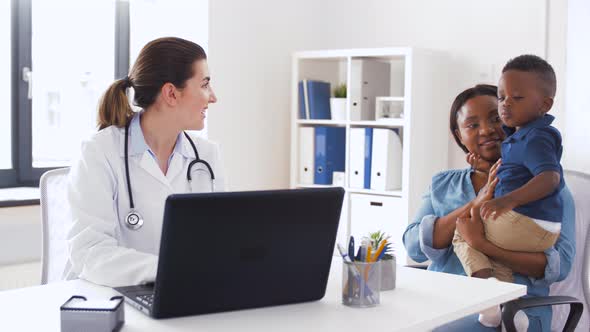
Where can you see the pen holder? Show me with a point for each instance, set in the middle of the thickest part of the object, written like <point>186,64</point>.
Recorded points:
<point>361,284</point>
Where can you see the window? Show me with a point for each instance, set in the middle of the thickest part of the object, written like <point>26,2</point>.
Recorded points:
<point>69,74</point>
<point>58,57</point>
<point>5,87</point>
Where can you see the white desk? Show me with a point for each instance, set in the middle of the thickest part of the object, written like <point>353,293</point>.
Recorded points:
<point>421,301</point>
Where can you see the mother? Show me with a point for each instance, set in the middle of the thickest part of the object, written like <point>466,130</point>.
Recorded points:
<point>477,129</point>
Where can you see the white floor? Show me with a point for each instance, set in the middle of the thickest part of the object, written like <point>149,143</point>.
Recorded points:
<point>20,275</point>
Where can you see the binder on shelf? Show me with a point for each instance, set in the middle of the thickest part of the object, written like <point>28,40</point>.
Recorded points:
<point>314,100</point>
<point>318,99</point>
<point>329,153</point>
<point>368,156</point>
<point>369,79</point>
<point>302,91</point>
<point>306,155</point>
<point>361,140</point>
<point>357,157</point>
<point>386,163</point>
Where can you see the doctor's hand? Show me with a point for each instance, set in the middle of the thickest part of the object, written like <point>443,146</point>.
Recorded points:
<point>470,227</point>
<point>496,207</point>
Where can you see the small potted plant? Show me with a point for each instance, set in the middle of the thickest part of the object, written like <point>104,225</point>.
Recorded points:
<point>387,261</point>
<point>338,103</point>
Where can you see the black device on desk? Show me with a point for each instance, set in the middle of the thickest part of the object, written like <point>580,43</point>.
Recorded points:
<point>236,250</point>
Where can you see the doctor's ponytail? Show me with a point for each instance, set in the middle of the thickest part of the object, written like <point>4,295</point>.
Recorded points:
<point>161,61</point>
<point>114,108</point>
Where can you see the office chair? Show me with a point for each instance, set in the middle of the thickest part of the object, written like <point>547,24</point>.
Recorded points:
<point>575,289</point>
<point>56,219</point>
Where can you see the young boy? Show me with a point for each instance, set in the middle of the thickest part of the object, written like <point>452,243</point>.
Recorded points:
<point>526,213</point>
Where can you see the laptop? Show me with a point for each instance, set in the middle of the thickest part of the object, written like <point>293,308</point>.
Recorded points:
<point>237,250</point>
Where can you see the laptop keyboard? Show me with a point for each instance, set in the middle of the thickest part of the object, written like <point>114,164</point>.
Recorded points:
<point>147,299</point>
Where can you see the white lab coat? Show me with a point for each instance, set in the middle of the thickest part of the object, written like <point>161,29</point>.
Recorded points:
<point>102,249</point>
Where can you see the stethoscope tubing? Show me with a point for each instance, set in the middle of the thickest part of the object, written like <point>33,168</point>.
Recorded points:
<point>134,220</point>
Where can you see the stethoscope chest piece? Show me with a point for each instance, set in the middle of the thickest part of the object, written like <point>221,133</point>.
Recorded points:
<point>133,220</point>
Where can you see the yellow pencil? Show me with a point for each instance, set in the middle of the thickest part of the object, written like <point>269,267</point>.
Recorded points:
<point>378,251</point>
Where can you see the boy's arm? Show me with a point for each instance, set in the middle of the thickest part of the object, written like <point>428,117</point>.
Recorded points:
<point>543,150</point>
<point>537,188</point>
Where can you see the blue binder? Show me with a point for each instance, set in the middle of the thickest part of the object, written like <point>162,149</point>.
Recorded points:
<point>318,100</point>
<point>368,157</point>
<point>329,153</point>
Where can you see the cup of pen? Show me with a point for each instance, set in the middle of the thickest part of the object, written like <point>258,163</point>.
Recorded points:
<point>361,283</point>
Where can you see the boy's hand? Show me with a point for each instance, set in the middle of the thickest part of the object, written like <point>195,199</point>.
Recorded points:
<point>496,207</point>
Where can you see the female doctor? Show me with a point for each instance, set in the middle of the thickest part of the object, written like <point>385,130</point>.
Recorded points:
<point>118,188</point>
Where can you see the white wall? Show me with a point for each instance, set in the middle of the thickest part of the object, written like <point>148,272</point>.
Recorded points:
<point>251,43</point>
<point>555,52</point>
<point>577,122</point>
<point>20,234</point>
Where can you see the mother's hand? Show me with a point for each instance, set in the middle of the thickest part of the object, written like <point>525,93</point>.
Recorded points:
<point>471,229</point>
<point>487,192</point>
<point>477,163</point>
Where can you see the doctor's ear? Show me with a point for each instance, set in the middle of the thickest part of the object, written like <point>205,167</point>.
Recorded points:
<point>169,94</point>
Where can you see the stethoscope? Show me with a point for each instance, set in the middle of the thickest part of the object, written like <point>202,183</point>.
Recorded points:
<point>134,220</point>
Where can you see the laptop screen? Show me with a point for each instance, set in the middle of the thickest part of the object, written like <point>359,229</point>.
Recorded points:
<point>236,250</point>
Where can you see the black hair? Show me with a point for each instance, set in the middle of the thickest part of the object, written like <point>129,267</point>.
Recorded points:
<point>461,99</point>
<point>535,64</point>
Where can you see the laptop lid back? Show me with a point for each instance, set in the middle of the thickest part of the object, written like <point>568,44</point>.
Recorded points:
<point>236,250</point>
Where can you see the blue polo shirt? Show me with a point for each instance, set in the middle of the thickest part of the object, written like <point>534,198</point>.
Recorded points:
<point>526,153</point>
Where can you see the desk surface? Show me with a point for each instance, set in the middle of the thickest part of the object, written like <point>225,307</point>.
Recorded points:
<point>421,301</point>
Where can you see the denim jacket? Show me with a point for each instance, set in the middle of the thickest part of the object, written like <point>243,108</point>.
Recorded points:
<point>452,189</point>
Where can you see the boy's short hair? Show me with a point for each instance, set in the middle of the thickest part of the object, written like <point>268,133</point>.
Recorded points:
<point>534,64</point>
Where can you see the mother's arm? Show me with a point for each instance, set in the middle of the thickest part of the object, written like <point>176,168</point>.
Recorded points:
<point>547,267</point>
<point>430,236</point>
<point>530,264</point>
<point>444,227</point>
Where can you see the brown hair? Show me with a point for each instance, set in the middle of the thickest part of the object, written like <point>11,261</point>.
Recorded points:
<point>161,61</point>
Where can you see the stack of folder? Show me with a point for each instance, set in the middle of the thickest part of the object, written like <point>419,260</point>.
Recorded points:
<point>321,153</point>
<point>368,79</point>
<point>375,159</point>
<point>314,100</point>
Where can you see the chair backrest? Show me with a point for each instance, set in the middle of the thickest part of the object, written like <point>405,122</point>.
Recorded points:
<point>577,283</point>
<point>56,218</point>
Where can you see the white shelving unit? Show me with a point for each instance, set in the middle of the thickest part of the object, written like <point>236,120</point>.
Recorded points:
<point>421,81</point>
